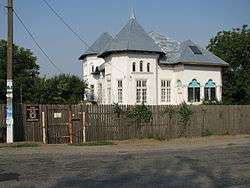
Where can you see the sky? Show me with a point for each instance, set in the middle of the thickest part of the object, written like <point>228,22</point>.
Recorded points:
<point>198,20</point>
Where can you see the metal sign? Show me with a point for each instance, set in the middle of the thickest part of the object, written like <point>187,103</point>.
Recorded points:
<point>32,113</point>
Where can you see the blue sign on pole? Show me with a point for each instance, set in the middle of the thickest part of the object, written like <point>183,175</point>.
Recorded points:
<point>9,111</point>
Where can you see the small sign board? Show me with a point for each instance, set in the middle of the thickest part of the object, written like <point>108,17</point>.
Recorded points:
<point>57,115</point>
<point>32,113</point>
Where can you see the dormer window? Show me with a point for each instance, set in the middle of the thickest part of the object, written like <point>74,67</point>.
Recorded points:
<point>195,49</point>
<point>141,66</point>
<point>133,67</point>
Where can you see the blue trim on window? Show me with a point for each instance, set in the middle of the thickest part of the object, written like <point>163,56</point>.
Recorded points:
<point>194,84</point>
<point>210,84</point>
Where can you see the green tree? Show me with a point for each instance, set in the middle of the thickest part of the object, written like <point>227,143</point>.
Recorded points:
<point>61,89</point>
<point>234,48</point>
<point>25,73</point>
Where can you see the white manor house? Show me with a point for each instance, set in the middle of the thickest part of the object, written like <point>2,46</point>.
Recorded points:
<point>137,67</point>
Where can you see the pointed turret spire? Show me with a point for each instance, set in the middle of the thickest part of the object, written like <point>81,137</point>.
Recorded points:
<point>132,11</point>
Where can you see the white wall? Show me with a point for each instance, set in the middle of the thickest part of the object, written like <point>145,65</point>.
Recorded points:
<point>119,67</point>
<point>202,74</point>
<point>88,62</point>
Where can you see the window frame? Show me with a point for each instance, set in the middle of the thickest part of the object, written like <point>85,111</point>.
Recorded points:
<point>141,91</point>
<point>210,91</point>
<point>134,67</point>
<point>141,66</point>
<point>99,91</point>
<point>166,91</point>
<point>119,91</point>
<point>109,92</point>
<point>148,67</point>
<point>194,91</point>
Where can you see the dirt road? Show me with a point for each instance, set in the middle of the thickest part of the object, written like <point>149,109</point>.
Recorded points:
<point>198,162</point>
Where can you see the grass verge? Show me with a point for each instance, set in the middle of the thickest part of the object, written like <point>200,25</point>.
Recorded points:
<point>19,145</point>
<point>94,143</point>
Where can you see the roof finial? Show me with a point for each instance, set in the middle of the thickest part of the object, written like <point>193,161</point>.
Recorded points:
<point>132,12</point>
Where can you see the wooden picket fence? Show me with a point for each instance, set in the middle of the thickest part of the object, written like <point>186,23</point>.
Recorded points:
<point>103,124</point>
<point>79,123</point>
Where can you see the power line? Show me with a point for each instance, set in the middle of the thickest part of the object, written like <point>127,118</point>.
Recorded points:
<point>33,38</point>
<point>75,33</point>
<point>67,25</point>
<point>35,41</point>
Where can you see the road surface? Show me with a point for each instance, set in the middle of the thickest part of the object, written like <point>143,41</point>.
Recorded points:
<point>215,162</point>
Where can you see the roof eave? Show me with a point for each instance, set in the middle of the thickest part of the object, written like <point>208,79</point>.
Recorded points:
<point>107,53</point>
<point>83,56</point>
<point>204,63</point>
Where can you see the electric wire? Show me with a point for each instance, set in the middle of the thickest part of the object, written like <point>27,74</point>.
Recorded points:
<point>33,38</point>
<point>66,24</point>
<point>74,32</point>
<point>35,41</point>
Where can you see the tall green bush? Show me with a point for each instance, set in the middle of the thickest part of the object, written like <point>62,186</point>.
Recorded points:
<point>184,114</point>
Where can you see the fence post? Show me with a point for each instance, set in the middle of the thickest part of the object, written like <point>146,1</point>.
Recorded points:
<point>70,127</point>
<point>43,124</point>
<point>83,127</point>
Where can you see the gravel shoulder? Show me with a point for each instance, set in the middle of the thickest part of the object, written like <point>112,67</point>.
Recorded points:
<point>135,145</point>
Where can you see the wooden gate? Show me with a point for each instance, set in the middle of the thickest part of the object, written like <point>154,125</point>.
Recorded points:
<point>77,134</point>
<point>64,124</point>
<point>58,124</point>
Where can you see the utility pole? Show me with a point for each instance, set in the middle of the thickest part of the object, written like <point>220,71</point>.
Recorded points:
<point>21,93</point>
<point>9,93</point>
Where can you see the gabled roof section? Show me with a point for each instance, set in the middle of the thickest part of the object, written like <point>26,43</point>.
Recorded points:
<point>98,46</point>
<point>189,56</point>
<point>132,37</point>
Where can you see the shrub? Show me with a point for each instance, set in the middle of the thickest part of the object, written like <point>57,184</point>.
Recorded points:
<point>184,118</point>
<point>117,109</point>
<point>140,114</point>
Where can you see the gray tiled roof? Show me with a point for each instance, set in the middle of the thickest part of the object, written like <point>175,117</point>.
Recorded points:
<point>132,37</point>
<point>169,46</point>
<point>181,52</point>
<point>98,46</point>
<point>206,58</point>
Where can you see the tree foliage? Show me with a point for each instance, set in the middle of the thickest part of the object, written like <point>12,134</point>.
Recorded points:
<point>234,48</point>
<point>60,89</point>
<point>25,72</point>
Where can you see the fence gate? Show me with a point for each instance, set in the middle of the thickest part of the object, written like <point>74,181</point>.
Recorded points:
<point>64,124</point>
<point>58,124</point>
<point>76,131</point>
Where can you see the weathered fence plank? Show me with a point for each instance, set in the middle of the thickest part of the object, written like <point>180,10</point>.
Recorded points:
<point>101,123</point>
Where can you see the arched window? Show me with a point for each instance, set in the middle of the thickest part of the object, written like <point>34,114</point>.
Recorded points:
<point>148,67</point>
<point>141,66</point>
<point>210,91</point>
<point>194,91</point>
<point>133,67</point>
